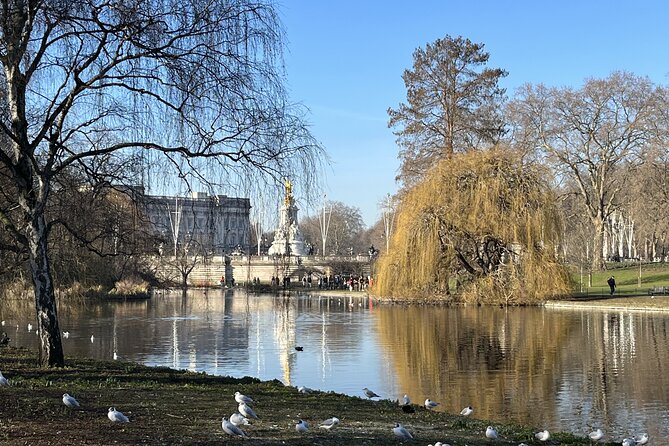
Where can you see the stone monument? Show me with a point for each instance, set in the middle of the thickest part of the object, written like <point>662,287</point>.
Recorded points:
<point>287,237</point>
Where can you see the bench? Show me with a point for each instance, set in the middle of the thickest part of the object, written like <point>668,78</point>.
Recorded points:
<point>658,290</point>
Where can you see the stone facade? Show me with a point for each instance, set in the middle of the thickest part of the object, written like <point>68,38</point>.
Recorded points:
<point>215,224</point>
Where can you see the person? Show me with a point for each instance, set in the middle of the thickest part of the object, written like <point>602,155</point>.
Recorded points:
<point>612,284</point>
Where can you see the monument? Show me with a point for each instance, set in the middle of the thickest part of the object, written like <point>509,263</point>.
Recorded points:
<point>287,237</point>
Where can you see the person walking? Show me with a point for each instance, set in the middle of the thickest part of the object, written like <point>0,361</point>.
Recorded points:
<point>612,284</point>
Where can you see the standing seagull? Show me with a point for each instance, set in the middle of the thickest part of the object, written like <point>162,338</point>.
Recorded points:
<point>330,423</point>
<point>243,398</point>
<point>3,381</point>
<point>116,416</point>
<point>596,435</point>
<point>246,410</point>
<point>238,419</point>
<point>467,411</point>
<point>491,433</point>
<point>369,393</point>
<point>231,429</point>
<point>401,432</point>
<point>405,400</point>
<point>643,439</point>
<point>429,404</point>
<point>70,401</point>
<point>542,436</point>
<point>301,426</point>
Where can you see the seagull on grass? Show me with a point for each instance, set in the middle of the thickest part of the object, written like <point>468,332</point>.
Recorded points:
<point>405,400</point>
<point>246,410</point>
<point>301,426</point>
<point>238,419</point>
<point>70,401</point>
<point>370,394</point>
<point>303,389</point>
<point>231,429</point>
<point>491,433</point>
<point>429,404</point>
<point>330,423</point>
<point>243,398</point>
<point>543,435</point>
<point>401,432</point>
<point>116,416</point>
<point>467,411</point>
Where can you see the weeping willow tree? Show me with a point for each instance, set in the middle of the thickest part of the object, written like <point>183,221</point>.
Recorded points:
<point>482,224</point>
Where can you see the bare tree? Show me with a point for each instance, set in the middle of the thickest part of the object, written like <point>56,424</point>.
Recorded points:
<point>345,229</point>
<point>95,87</point>
<point>591,134</point>
<point>453,105</point>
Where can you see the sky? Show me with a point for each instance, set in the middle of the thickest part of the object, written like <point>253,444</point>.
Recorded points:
<point>344,62</point>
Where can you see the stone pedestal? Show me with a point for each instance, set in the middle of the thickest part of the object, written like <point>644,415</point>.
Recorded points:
<point>287,237</point>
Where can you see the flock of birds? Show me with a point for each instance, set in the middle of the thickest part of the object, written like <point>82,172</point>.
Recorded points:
<point>71,402</point>
<point>491,433</point>
<point>245,412</point>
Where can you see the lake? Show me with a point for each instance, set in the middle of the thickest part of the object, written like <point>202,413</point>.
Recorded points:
<point>556,369</point>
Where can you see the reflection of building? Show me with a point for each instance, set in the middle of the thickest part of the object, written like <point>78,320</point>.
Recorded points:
<point>216,223</point>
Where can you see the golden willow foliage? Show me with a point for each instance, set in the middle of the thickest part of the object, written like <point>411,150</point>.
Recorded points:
<point>482,222</point>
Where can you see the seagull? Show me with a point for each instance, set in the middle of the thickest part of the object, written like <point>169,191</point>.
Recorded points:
<point>629,442</point>
<point>429,404</point>
<point>401,432</point>
<point>116,416</point>
<point>246,410</point>
<point>3,381</point>
<point>3,323</point>
<point>70,401</point>
<point>92,339</point>
<point>406,400</point>
<point>238,419</point>
<point>30,327</point>
<point>467,411</point>
<point>303,389</point>
<point>643,439</point>
<point>330,423</point>
<point>302,426</point>
<point>491,433</point>
<point>66,334</point>
<point>230,429</point>
<point>243,398</point>
<point>542,436</point>
<point>369,394</point>
<point>596,435</point>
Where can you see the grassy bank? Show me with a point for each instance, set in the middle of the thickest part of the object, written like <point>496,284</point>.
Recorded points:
<point>168,407</point>
<point>631,279</point>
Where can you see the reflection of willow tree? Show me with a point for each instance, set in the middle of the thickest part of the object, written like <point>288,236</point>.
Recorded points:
<point>476,356</point>
<point>484,219</point>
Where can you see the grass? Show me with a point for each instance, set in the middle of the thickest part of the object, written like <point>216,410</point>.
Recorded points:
<point>168,407</point>
<point>627,279</point>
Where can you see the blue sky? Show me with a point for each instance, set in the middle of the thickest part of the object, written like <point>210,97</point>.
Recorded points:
<point>345,60</point>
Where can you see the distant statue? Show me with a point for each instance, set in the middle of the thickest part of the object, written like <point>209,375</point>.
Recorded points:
<point>289,190</point>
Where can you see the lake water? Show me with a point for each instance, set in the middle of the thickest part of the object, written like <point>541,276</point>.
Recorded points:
<point>569,370</point>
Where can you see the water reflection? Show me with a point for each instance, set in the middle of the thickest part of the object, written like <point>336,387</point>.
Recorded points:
<point>554,369</point>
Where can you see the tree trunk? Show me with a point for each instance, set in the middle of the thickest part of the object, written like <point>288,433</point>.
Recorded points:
<point>598,245</point>
<point>51,347</point>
